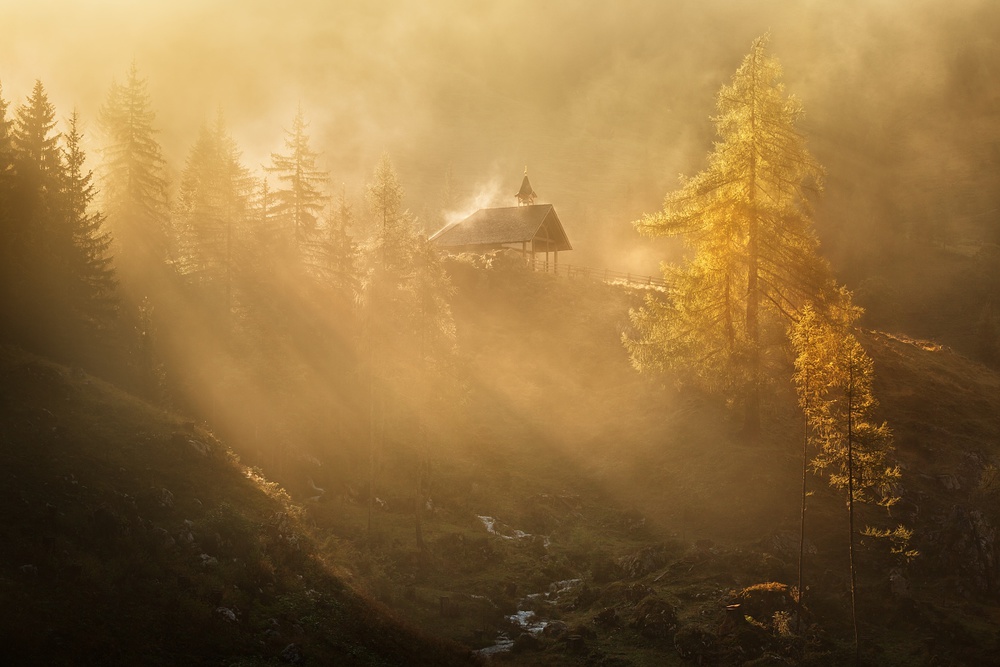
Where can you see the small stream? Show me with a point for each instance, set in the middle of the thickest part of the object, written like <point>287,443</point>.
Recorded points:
<point>527,619</point>
<point>505,532</point>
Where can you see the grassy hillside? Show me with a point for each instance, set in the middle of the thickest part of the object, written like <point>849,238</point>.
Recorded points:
<point>576,513</point>
<point>130,537</point>
<point>643,515</point>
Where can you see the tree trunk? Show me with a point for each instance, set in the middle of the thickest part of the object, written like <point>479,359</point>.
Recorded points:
<point>419,497</point>
<point>418,505</point>
<point>373,433</point>
<point>850,503</point>
<point>751,423</point>
<point>802,520</point>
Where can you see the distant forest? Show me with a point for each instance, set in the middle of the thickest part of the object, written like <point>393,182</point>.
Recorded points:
<point>247,300</point>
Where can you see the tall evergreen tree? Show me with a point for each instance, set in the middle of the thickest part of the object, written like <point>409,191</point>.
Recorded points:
<point>431,358</point>
<point>8,229</point>
<point>746,218</point>
<point>134,179</point>
<point>340,252</point>
<point>6,146</point>
<point>35,143</point>
<point>300,200</point>
<point>41,240</point>
<point>410,330</point>
<point>214,211</point>
<point>94,280</point>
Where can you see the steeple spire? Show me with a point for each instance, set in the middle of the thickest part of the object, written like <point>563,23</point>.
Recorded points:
<point>525,196</point>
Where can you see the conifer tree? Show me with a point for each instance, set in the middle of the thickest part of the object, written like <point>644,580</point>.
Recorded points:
<point>300,200</point>
<point>134,179</point>
<point>214,211</point>
<point>384,197</point>
<point>41,241</point>
<point>34,141</point>
<point>432,356</point>
<point>339,251</point>
<point>94,280</point>
<point>8,258</point>
<point>6,147</point>
<point>409,326</point>
<point>834,379</point>
<point>754,253</point>
<point>58,282</point>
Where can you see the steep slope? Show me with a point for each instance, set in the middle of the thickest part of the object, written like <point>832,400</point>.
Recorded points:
<point>128,537</point>
<point>945,411</point>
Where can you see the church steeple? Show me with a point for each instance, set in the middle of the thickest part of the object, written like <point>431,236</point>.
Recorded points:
<point>525,196</point>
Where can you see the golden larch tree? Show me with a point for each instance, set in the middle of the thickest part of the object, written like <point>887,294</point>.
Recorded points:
<point>754,254</point>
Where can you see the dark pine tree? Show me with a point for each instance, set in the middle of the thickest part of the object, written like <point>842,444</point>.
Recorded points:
<point>94,284</point>
<point>8,236</point>
<point>40,241</point>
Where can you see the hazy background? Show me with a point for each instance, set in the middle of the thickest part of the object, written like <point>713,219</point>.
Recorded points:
<point>606,103</point>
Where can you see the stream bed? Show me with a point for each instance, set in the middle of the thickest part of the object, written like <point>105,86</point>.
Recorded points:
<point>526,619</point>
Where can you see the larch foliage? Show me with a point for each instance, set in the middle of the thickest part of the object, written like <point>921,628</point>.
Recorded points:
<point>833,379</point>
<point>753,252</point>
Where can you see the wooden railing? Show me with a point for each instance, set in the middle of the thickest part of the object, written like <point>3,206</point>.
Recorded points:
<point>602,275</point>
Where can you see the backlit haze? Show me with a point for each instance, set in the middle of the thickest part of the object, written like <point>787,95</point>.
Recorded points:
<point>606,103</point>
<point>228,407</point>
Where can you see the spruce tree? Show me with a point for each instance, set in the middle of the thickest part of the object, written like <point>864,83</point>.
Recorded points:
<point>300,199</point>
<point>9,259</point>
<point>214,211</point>
<point>134,180</point>
<point>384,197</point>
<point>94,280</point>
<point>34,140</point>
<point>41,241</point>
<point>410,331</point>
<point>340,252</point>
<point>6,146</point>
<point>754,253</point>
